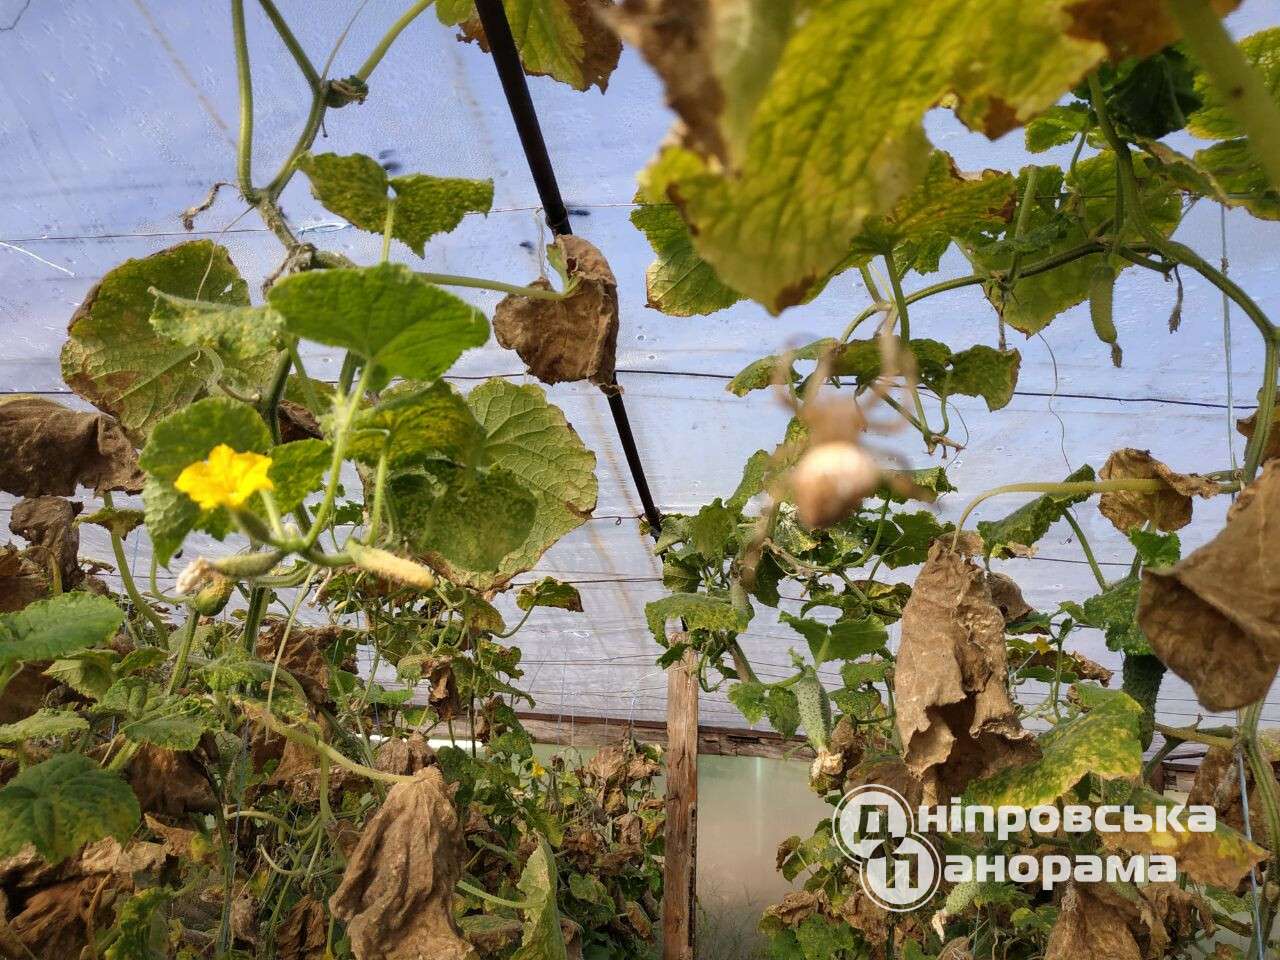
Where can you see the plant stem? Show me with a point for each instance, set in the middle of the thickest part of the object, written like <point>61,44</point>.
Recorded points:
<point>1020,225</point>
<point>1180,253</point>
<point>380,51</point>
<point>1243,91</point>
<point>244,154</point>
<point>126,576</point>
<point>184,651</point>
<point>311,743</point>
<point>904,326</point>
<point>489,897</point>
<point>1073,486</point>
<point>305,139</point>
<point>1192,735</point>
<point>480,283</point>
<point>350,404</point>
<point>271,401</point>
<point>1086,548</point>
<point>291,42</point>
<point>387,226</point>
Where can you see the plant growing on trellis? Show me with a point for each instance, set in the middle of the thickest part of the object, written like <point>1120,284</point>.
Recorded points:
<point>232,784</point>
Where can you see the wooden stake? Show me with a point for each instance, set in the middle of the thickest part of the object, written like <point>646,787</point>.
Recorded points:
<point>679,911</point>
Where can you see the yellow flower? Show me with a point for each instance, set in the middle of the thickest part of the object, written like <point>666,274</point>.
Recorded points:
<point>226,479</point>
<point>537,769</point>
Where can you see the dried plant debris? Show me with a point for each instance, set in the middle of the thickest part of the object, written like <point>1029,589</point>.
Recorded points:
<point>570,339</point>
<point>47,449</point>
<point>48,525</point>
<point>954,713</point>
<point>170,783</point>
<point>1246,426</point>
<point>22,581</point>
<point>302,654</point>
<point>1214,617</point>
<point>1169,509</point>
<point>396,896</point>
<point>1121,922</point>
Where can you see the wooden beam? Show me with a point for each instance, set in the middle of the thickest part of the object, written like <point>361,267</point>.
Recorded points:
<point>679,905</point>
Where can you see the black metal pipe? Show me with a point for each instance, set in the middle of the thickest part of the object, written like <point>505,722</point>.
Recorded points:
<point>506,58</point>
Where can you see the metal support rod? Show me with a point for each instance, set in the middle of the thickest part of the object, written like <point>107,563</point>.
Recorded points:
<point>506,59</point>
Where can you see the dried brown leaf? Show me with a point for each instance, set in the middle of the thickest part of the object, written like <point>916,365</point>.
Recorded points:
<point>48,525</point>
<point>1246,426</point>
<point>1217,784</point>
<point>303,655</point>
<point>570,339</point>
<point>405,755</point>
<point>47,449</point>
<point>304,932</point>
<point>168,783</point>
<point>954,713</point>
<point>601,47</point>
<point>1214,617</point>
<point>1170,509</point>
<point>1007,596</point>
<point>297,423</point>
<point>1081,666</point>
<point>1134,28</point>
<point>396,895</point>
<point>22,581</point>
<point>1092,926</point>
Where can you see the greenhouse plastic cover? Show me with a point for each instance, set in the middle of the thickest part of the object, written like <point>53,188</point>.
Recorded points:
<point>119,114</point>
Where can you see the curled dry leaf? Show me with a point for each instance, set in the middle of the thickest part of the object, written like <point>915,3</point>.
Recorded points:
<point>48,525</point>
<point>1214,617</point>
<point>1170,509</point>
<point>1082,667</point>
<point>1007,596</point>
<point>47,449</point>
<point>304,932</point>
<point>396,895</point>
<point>1098,920</point>
<point>1217,784</point>
<point>405,755</point>
<point>1246,426</point>
<point>574,338</point>
<point>955,716</point>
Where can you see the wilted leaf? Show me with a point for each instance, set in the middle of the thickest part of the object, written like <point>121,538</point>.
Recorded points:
<point>1091,924</point>
<point>777,123</point>
<point>304,932</point>
<point>48,526</point>
<point>568,339</point>
<point>1170,509</point>
<point>1105,741</point>
<point>565,39</point>
<point>1246,426</point>
<point>1214,617</point>
<point>115,360</point>
<point>541,938</point>
<point>169,783</point>
<point>141,928</point>
<point>61,625</point>
<point>397,321</point>
<point>63,803</point>
<point>396,895</point>
<point>47,449</point>
<point>698,611</point>
<point>549,592</point>
<point>355,188</point>
<point>954,712</point>
<point>1010,535</point>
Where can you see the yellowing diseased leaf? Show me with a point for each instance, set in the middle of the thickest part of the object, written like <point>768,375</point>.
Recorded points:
<point>569,339</point>
<point>1105,741</point>
<point>564,39</point>
<point>679,283</point>
<point>954,712</point>
<point>1213,121</point>
<point>1017,532</point>
<point>115,360</point>
<point>698,611</point>
<point>1220,858</point>
<point>355,188</point>
<point>1055,226</point>
<point>1228,173</point>
<point>1214,617</point>
<point>481,517</point>
<point>550,592</point>
<point>63,803</point>
<point>541,938</point>
<point>776,199</point>
<point>415,424</point>
<point>47,449</point>
<point>1168,510</point>
<point>236,334</point>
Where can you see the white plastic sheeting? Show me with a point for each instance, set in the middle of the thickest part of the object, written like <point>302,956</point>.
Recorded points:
<point>117,115</point>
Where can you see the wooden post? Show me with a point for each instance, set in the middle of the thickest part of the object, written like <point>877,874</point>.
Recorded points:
<point>680,874</point>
